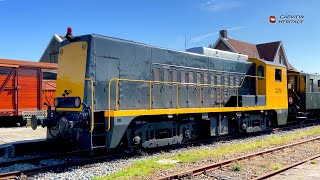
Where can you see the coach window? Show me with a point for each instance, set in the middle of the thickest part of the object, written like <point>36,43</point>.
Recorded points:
<point>278,75</point>
<point>156,74</point>
<point>311,85</point>
<point>318,85</point>
<point>49,75</point>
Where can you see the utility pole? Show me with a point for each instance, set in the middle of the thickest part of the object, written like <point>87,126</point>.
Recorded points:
<point>185,42</point>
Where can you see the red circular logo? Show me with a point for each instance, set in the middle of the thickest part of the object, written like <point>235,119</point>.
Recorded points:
<point>272,19</point>
<point>290,100</point>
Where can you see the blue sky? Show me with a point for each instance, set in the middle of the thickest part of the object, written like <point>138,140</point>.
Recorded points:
<point>26,26</point>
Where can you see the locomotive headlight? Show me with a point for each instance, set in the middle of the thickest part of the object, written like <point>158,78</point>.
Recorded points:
<point>56,102</point>
<point>77,102</point>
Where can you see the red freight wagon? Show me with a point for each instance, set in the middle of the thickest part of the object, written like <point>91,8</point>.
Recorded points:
<point>25,86</point>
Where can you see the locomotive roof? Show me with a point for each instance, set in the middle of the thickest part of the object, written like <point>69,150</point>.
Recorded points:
<point>273,63</point>
<point>147,45</point>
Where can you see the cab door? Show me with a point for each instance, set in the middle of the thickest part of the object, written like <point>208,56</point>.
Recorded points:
<point>294,95</point>
<point>292,84</point>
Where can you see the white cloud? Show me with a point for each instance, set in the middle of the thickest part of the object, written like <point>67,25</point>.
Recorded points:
<point>205,36</point>
<point>235,28</point>
<point>220,5</point>
<point>202,37</point>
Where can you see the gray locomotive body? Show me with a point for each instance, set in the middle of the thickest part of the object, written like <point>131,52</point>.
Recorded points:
<point>138,95</point>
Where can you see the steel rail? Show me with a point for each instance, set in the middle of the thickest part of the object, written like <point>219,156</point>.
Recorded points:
<point>15,174</point>
<point>273,173</point>
<point>28,172</point>
<point>42,157</point>
<point>210,167</point>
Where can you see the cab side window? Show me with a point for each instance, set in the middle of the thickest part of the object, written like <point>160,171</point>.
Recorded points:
<point>278,74</point>
<point>260,72</point>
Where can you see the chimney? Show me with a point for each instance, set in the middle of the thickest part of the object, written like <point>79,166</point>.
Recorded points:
<point>224,33</point>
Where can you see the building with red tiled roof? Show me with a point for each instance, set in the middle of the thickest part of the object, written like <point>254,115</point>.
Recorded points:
<point>273,51</point>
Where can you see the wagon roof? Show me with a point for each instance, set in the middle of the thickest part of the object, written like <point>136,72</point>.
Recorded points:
<point>11,62</point>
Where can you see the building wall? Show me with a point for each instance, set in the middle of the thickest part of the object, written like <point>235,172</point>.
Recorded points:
<point>51,53</point>
<point>222,46</point>
<point>280,57</point>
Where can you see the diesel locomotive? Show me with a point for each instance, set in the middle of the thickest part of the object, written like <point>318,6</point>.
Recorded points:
<point>112,92</point>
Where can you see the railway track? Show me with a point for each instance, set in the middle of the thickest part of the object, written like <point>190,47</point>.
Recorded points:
<point>112,155</point>
<point>273,173</point>
<point>214,166</point>
<point>61,166</point>
<point>35,159</point>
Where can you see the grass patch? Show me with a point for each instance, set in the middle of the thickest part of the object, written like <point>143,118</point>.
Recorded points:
<point>28,123</point>
<point>277,166</point>
<point>236,166</point>
<point>139,169</point>
<point>145,168</point>
<point>313,162</point>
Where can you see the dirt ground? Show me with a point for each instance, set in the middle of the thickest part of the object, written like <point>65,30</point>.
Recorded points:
<point>9,135</point>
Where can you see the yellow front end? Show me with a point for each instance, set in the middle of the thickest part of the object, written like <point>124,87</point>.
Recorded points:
<point>71,72</point>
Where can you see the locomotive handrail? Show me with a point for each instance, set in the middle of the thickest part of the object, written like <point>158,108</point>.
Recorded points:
<point>92,103</point>
<point>172,83</point>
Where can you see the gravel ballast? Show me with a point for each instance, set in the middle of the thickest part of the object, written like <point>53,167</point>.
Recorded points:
<point>109,167</point>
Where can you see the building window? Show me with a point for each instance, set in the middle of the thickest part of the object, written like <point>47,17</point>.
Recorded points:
<point>311,85</point>
<point>278,73</point>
